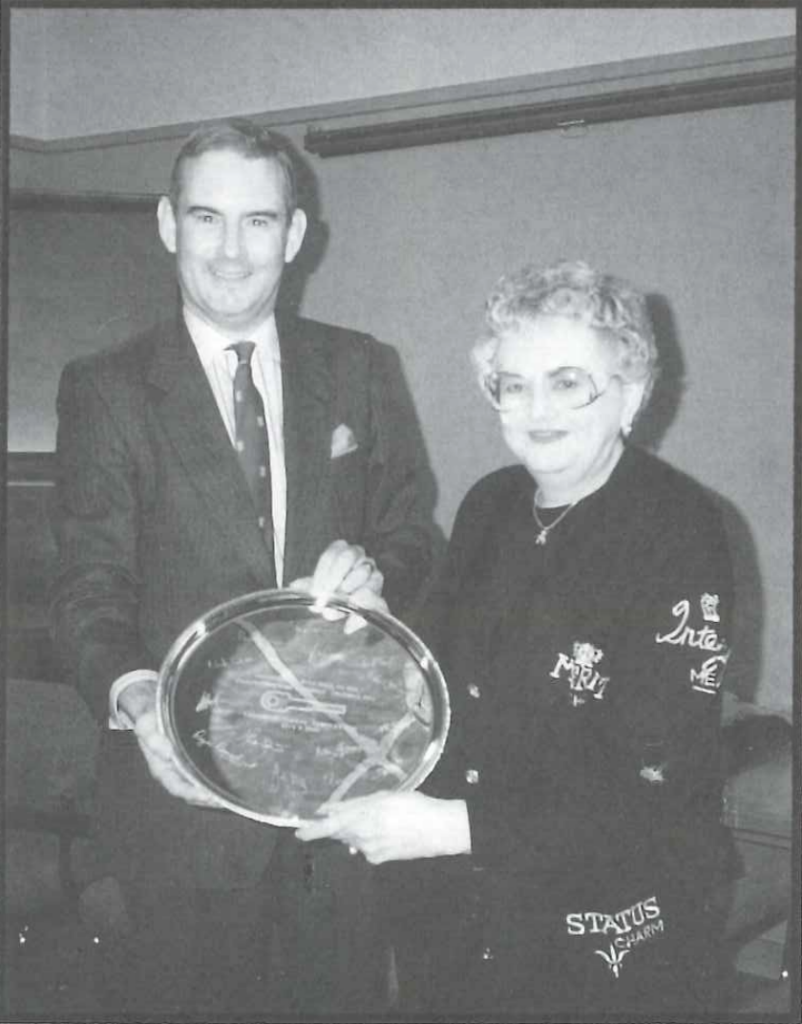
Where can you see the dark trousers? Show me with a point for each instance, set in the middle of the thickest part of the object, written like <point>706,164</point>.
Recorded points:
<point>307,941</point>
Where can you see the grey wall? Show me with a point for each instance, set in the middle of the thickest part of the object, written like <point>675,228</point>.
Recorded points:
<point>78,280</point>
<point>697,209</point>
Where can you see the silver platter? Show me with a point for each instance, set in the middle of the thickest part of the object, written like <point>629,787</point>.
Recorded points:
<point>275,705</point>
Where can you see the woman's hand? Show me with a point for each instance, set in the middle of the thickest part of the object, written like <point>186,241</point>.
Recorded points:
<point>394,826</point>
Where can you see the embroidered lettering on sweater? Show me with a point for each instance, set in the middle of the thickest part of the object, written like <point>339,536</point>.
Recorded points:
<point>583,677</point>
<point>683,635</point>
<point>710,674</point>
<point>625,928</point>
<point>707,678</point>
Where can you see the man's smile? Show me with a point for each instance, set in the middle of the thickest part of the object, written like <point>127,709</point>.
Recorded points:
<point>229,275</point>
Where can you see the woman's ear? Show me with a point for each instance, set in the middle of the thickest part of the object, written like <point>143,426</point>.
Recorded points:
<point>633,398</point>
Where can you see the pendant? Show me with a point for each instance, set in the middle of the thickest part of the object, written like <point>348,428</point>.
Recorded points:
<point>542,537</point>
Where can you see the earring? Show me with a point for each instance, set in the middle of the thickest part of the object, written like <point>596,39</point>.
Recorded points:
<point>626,429</point>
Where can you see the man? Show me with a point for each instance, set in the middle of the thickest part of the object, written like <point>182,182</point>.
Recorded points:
<point>158,519</point>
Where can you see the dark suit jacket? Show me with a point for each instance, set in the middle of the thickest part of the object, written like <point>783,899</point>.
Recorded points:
<point>155,526</point>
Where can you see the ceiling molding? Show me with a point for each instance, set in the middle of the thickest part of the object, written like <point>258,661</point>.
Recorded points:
<point>87,202</point>
<point>572,114</point>
<point>554,86</point>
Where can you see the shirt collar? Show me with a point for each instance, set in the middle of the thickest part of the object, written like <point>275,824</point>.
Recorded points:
<point>210,342</point>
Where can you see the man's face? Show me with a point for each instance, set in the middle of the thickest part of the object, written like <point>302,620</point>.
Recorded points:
<point>231,236</point>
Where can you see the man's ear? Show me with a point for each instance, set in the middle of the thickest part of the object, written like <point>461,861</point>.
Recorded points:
<point>166,219</point>
<point>295,235</point>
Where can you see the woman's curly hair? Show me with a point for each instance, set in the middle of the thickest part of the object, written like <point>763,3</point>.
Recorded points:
<point>574,290</point>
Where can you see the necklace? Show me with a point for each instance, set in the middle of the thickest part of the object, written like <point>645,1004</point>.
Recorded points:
<point>543,536</point>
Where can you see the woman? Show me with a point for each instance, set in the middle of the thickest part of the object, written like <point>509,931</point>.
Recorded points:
<point>562,856</point>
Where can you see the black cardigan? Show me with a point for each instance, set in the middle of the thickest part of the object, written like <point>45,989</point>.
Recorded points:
<point>585,678</point>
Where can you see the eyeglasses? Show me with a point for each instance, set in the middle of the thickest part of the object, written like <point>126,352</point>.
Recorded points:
<point>569,387</point>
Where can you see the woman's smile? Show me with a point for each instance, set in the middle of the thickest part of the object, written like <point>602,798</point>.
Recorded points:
<point>547,436</point>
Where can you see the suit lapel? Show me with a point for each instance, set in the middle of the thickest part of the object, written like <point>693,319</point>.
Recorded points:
<point>308,396</point>
<point>190,417</point>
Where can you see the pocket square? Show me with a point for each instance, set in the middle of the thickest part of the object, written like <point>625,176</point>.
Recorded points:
<point>342,441</point>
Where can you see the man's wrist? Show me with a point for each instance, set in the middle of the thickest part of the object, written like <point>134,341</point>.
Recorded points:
<point>129,696</point>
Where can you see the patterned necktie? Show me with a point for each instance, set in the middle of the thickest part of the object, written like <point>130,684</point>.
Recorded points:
<point>253,448</point>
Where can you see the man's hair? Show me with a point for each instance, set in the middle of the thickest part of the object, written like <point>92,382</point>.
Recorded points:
<point>239,135</point>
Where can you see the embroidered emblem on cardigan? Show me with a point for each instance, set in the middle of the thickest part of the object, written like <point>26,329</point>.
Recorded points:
<point>683,635</point>
<point>710,674</point>
<point>709,604</point>
<point>583,677</point>
<point>613,958</point>
<point>625,928</point>
<point>707,678</point>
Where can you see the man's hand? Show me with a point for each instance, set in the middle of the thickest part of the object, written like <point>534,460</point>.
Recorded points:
<point>394,826</point>
<point>345,570</point>
<point>138,702</point>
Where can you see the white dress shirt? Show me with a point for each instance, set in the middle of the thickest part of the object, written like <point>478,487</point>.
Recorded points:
<point>220,364</point>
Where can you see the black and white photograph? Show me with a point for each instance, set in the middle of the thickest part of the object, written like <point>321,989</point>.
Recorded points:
<point>400,505</point>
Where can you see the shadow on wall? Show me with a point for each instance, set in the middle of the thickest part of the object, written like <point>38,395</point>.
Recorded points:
<point>670,385</point>
<point>293,284</point>
<point>744,673</point>
<point>316,240</point>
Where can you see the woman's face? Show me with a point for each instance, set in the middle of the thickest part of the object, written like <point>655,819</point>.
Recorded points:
<point>569,451</point>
